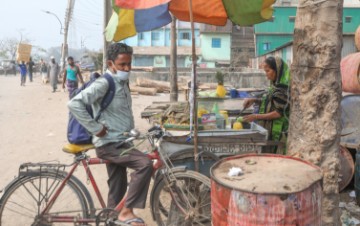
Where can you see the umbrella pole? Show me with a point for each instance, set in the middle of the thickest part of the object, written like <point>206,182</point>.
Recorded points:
<point>194,87</point>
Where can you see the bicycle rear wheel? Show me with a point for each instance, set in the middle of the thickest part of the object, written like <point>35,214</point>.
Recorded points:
<point>24,200</point>
<point>194,196</point>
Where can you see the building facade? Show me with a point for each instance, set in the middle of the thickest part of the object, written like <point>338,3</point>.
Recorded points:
<point>277,32</point>
<point>213,46</point>
<point>152,48</point>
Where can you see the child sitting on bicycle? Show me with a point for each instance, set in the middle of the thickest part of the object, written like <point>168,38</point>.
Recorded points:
<point>108,132</point>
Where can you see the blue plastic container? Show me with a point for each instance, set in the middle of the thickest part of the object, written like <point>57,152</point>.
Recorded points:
<point>243,94</point>
<point>233,93</point>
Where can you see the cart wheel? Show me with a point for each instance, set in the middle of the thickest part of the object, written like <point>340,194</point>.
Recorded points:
<point>186,158</point>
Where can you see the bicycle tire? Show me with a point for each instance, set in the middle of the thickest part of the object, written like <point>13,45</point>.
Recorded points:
<point>166,213</point>
<point>24,199</point>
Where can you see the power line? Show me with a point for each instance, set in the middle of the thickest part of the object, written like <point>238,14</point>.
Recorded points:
<point>85,8</point>
<point>96,5</point>
<point>86,21</point>
<point>88,14</point>
<point>86,25</point>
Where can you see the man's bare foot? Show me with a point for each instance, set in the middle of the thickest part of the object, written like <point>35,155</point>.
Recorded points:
<point>127,216</point>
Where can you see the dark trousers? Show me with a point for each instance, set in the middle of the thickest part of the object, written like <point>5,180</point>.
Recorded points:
<point>23,79</point>
<point>30,76</point>
<point>140,177</point>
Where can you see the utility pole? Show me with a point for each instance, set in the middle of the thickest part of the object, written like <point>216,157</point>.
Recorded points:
<point>173,63</point>
<point>107,14</point>
<point>64,52</point>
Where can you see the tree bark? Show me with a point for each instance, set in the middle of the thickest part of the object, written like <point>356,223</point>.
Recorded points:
<point>173,63</point>
<point>143,91</point>
<point>160,86</point>
<point>315,128</point>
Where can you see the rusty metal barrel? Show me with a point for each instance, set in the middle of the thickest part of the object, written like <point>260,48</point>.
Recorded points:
<point>350,73</point>
<point>269,190</point>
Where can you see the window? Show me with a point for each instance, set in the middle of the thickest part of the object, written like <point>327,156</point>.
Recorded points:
<point>141,36</point>
<point>348,19</point>
<point>185,35</point>
<point>216,43</point>
<point>291,19</point>
<point>155,36</point>
<point>271,19</point>
<point>266,46</point>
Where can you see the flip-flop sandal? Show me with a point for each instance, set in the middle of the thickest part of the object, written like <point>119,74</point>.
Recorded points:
<point>128,222</point>
<point>118,223</point>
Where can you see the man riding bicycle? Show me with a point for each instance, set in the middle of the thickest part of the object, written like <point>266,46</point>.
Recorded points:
<point>108,133</point>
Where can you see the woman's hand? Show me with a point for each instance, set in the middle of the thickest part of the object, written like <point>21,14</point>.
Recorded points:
<point>248,102</point>
<point>250,118</point>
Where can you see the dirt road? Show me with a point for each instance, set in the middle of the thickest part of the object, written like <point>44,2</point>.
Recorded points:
<point>33,123</point>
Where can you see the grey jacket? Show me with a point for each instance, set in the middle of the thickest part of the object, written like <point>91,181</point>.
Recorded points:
<point>117,117</point>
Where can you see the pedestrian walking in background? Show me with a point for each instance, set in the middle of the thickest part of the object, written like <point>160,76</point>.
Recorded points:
<point>43,71</point>
<point>53,72</point>
<point>72,76</point>
<point>31,69</point>
<point>23,71</point>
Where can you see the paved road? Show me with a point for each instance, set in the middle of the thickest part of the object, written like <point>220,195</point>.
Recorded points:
<point>33,124</point>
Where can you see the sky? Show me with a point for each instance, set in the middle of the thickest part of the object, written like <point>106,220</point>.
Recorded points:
<point>26,17</point>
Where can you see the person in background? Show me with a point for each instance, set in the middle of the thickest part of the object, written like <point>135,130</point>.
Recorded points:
<point>275,104</point>
<point>53,72</point>
<point>71,76</point>
<point>23,71</point>
<point>108,133</point>
<point>43,71</point>
<point>30,69</point>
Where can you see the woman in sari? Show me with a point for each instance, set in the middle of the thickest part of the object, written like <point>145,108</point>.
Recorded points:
<point>275,104</point>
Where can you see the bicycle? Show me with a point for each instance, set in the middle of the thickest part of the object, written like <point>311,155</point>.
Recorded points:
<point>45,194</point>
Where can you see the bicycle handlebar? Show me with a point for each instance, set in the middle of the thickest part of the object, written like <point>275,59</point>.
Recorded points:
<point>154,132</point>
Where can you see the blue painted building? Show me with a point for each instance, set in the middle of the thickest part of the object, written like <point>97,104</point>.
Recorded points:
<point>152,48</point>
<point>213,46</point>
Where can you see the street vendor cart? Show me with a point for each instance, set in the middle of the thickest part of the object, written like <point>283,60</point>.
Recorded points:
<point>213,142</point>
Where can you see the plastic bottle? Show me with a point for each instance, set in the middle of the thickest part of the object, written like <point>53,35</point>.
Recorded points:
<point>220,121</point>
<point>226,117</point>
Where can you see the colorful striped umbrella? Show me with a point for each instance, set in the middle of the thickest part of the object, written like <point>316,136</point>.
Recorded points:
<point>134,16</point>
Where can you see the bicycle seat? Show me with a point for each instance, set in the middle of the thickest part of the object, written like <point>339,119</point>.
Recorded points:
<point>77,148</point>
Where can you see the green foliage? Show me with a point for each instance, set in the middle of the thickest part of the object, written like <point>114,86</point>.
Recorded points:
<point>220,78</point>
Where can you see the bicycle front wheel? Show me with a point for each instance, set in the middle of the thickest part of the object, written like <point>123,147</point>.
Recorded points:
<point>24,201</point>
<point>194,195</point>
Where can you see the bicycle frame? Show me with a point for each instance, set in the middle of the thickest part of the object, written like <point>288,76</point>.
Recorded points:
<point>86,162</point>
<point>160,161</point>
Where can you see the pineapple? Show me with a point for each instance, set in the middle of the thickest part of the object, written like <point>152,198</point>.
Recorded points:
<point>220,89</point>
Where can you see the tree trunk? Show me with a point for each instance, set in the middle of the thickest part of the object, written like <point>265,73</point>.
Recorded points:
<point>160,86</point>
<point>173,63</point>
<point>143,91</point>
<point>316,94</point>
